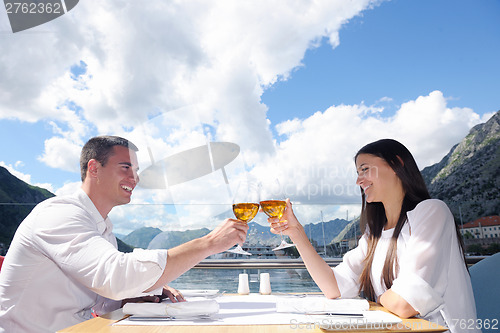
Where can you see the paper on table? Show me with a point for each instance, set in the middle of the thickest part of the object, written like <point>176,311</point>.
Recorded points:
<point>199,292</point>
<point>180,309</point>
<point>371,320</point>
<point>321,305</point>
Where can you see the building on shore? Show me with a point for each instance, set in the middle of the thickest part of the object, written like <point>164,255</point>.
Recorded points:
<point>483,228</point>
<point>257,251</point>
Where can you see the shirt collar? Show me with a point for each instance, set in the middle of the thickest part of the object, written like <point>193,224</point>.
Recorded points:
<point>104,226</point>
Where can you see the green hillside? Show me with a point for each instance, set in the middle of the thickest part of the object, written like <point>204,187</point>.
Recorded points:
<point>17,199</point>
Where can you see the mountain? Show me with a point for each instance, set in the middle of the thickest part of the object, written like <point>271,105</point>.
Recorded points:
<point>257,235</point>
<point>170,239</point>
<point>261,235</point>
<point>351,231</point>
<point>119,236</point>
<point>331,229</point>
<point>141,237</point>
<point>467,177</point>
<point>17,199</point>
<point>123,247</point>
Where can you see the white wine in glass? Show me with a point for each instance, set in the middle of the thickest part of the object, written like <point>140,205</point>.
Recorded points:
<point>245,212</point>
<point>275,208</point>
<point>245,207</point>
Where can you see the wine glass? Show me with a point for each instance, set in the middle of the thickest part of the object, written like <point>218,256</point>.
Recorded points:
<point>245,207</point>
<point>275,207</point>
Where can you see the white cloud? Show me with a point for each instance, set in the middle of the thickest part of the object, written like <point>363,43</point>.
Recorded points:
<point>486,116</point>
<point>68,188</point>
<point>218,53</point>
<point>61,153</point>
<point>315,157</point>
<point>385,99</point>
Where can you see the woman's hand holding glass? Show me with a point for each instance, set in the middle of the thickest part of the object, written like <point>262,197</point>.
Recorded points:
<point>274,206</point>
<point>287,225</point>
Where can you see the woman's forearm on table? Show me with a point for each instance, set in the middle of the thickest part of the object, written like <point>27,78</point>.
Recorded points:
<point>397,304</point>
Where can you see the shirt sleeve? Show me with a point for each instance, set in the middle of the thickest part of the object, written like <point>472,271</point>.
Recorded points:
<point>421,280</point>
<point>105,305</point>
<point>71,239</point>
<point>347,273</point>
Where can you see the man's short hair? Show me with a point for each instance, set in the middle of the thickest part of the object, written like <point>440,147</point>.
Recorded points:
<point>100,148</point>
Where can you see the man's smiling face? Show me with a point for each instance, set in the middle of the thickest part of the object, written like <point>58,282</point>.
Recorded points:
<point>118,178</point>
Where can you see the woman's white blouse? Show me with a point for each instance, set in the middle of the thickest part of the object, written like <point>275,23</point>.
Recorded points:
<point>432,276</point>
<point>63,263</point>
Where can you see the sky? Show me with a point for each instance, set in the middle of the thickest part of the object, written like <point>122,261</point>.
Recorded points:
<point>299,86</point>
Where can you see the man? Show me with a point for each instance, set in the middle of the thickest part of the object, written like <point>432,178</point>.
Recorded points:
<point>63,263</point>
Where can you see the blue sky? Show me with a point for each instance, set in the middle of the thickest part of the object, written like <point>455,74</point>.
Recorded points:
<point>400,50</point>
<point>298,88</point>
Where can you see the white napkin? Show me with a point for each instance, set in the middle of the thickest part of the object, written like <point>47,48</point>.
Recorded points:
<point>180,309</point>
<point>320,304</point>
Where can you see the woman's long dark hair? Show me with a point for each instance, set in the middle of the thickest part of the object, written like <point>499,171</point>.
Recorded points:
<point>373,215</point>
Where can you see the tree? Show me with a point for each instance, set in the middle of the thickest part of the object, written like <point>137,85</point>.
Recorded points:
<point>492,248</point>
<point>475,249</point>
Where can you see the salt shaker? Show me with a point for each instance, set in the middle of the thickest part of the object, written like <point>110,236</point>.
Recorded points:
<point>243,288</point>
<point>265,284</point>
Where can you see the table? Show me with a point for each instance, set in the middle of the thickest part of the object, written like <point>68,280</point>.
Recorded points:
<point>104,324</point>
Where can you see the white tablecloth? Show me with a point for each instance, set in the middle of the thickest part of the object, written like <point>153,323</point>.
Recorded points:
<point>255,309</point>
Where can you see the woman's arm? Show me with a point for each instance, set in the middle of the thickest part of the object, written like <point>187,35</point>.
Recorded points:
<point>321,273</point>
<point>396,304</point>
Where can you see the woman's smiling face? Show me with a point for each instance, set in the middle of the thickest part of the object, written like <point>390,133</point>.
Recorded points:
<point>375,177</point>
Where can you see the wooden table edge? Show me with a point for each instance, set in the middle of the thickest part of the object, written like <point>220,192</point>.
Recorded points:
<point>106,321</point>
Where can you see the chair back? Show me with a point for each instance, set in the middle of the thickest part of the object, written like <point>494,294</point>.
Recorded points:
<point>484,277</point>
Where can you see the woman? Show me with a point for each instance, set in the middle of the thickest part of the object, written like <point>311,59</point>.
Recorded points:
<point>410,258</point>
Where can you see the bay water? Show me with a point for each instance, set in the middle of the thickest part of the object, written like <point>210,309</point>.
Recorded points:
<point>226,280</point>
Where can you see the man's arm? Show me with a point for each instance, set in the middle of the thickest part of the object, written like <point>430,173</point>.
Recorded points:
<point>168,292</point>
<point>181,258</point>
